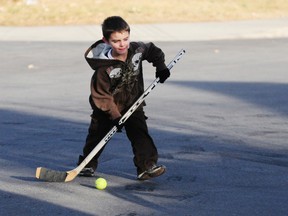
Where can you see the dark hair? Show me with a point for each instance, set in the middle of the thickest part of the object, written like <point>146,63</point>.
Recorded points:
<point>114,24</point>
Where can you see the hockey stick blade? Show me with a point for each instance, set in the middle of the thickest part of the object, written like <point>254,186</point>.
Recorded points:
<point>58,176</point>
<point>55,176</point>
<point>50,175</point>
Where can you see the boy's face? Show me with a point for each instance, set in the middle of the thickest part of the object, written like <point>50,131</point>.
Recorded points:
<point>119,41</point>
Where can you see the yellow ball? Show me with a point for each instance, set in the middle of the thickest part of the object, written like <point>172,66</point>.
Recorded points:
<point>100,183</point>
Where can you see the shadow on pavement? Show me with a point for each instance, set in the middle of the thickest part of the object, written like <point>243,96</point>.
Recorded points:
<point>272,96</point>
<point>15,204</point>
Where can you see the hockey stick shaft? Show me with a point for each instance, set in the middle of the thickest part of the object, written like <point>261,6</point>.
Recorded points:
<point>57,176</point>
<point>149,89</point>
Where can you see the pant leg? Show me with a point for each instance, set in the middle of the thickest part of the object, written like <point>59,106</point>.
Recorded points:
<point>144,149</point>
<point>99,127</point>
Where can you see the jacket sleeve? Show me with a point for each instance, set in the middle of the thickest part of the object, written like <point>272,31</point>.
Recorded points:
<point>101,96</point>
<point>154,55</point>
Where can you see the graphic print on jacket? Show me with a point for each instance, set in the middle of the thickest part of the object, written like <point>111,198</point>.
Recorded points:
<point>124,80</point>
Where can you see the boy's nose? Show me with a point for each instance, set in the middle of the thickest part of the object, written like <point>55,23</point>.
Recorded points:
<point>121,43</point>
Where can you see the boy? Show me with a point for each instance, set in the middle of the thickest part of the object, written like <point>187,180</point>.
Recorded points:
<point>115,85</point>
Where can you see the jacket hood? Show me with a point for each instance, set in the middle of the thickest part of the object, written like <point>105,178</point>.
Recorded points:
<point>96,55</point>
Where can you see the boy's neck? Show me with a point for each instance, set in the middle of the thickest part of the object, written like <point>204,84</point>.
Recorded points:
<point>121,57</point>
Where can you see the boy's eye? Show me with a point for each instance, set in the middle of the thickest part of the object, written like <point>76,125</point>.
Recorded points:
<point>115,41</point>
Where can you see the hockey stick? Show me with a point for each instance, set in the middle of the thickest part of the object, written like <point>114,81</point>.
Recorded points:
<point>59,176</point>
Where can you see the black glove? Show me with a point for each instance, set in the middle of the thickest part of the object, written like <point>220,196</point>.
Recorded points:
<point>116,123</point>
<point>163,75</point>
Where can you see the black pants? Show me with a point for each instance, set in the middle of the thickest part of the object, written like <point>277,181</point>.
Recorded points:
<point>145,152</point>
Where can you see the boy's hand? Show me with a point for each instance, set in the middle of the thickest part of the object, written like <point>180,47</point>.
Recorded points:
<point>163,75</point>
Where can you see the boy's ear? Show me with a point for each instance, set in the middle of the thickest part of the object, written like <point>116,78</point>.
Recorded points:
<point>105,40</point>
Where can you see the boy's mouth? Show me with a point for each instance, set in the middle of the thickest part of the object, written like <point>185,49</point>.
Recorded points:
<point>122,49</point>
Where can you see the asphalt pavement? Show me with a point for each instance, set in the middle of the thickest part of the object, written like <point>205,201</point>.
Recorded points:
<point>219,122</point>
